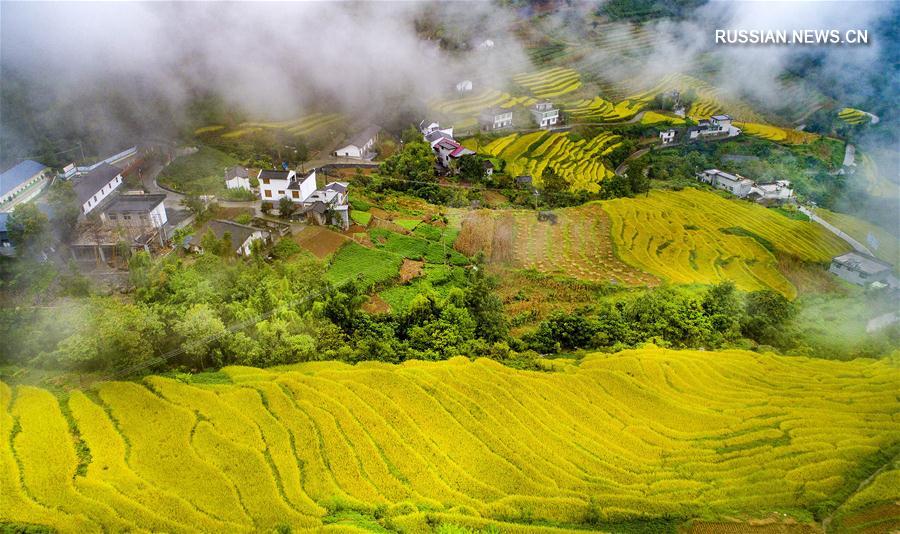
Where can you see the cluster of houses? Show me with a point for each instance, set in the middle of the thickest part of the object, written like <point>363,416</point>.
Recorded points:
<point>715,127</point>
<point>544,113</point>
<point>768,193</point>
<point>328,205</point>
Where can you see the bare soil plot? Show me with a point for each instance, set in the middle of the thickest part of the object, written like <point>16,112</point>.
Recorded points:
<point>577,244</point>
<point>319,240</point>
<point>410,269</point>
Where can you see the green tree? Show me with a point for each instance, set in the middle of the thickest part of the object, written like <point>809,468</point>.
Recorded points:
<point>471,168</point>
<point>202,333</point>
<point>769,318</point>
<point>27,229</point>
<point>65,208</point>
<point>286,208</point>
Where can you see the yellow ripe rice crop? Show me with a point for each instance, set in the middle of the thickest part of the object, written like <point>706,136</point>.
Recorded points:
<point>642,433</point>
<point>302,126</point>
<point>854,116</point>
<point>551,82</point>
<point>577,162</point>
<point>698,236</point>
<point>208,129</point>
<point>652,117</point>
<point>776,133</point>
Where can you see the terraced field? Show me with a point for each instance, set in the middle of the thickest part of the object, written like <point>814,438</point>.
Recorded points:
<point>854,116</point>
<point>302,126</point>
<point>550,83</point>
<point>776,133</point>
<point>578,162</point>
<point>576,245</point>
<point>638,434</point>
<point>697,236</point>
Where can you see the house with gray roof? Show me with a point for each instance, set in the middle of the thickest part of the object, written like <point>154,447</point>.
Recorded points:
<point>733,183</point>
<point>360,145</point>
<point>237,177</point>
<point>860,269</point>
<point>241,236</point>
<point>21,182</point>
<point>136,211</point>
<point>92,188</point>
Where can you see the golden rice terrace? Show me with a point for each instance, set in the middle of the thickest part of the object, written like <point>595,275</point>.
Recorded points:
<point>639,434</point>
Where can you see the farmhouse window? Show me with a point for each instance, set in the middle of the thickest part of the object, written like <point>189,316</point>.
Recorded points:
<point>265,181</point>
<point>268,193</point>
<point>296,194</point>
<point>281,192</point>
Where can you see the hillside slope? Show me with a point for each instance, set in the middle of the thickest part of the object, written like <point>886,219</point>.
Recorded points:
<point>639,434</point>
<point>698,236</point>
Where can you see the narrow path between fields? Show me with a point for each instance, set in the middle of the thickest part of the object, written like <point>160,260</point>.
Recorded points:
<point>827,521</point>
<point>857,246</point>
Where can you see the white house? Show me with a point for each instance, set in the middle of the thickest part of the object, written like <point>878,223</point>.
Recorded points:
<point>495,119</point>
<point>464,86</point>
<point>735,183</point>
<point>777,192</point>
<point>328,205</point>
<point>273,184</point>
<point>668,136</point>
<point>360,145</point>
<point>96,185</point>
<point>487,44</point>
<point>241,236</point>
<point>715,126</point>
<point>427,127</point>
<point>545,115</point>
<point>22,182</point>
<point>860,269</point>
<point>136,211</point>
<point>301,187</point>
<point>448,150</point>
<point>237,178</point>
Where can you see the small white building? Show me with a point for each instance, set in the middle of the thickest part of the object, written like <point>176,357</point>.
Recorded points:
<point>360,145</point>
<point>448,150</point>
<point>545,115</point>
<point>487,44</point>
<point>428,127</point>
<point>464,86</point>
<point>495,119</point>
<point>328,205</point>
<point>237,178</point>
<point>860,269</point>
<point>734,183</point>
<point>715,126</point>
<point>668,136</point>
<point>22,182</point>
<point>96,185</point>
<point>136,211</point>
<point>273,184</point>
<point>777,192</point>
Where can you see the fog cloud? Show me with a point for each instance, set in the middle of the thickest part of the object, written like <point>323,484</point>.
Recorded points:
<point>273,60</point>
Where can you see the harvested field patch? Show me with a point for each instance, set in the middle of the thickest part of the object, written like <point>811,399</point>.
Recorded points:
<point>321,241</point>
<point>410,269</point>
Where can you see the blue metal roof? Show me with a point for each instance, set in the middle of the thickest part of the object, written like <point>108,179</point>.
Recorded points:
<point>19,174</point>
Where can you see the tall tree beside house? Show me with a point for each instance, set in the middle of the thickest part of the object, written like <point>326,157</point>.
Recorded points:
<point>28,229</point>
<point>64,203</point>
<point>471,168</point>
<point>286,208</point>
<point>414,163</point>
